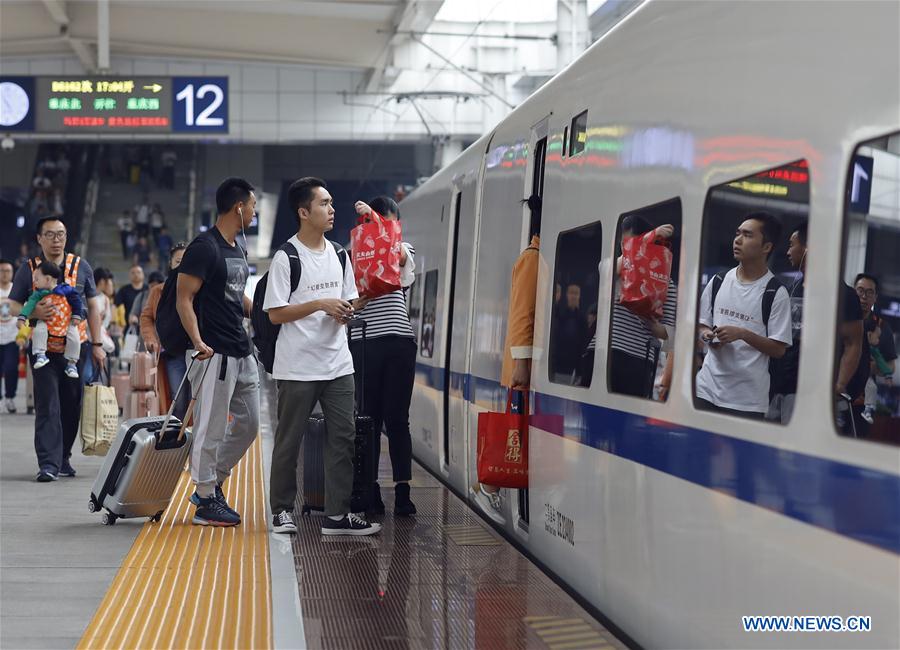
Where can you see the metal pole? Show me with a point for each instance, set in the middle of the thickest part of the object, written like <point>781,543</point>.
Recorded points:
<point>103,34</point>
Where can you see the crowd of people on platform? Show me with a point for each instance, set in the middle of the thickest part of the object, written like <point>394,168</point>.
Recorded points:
<point>48,187</point>
<point>144,236</point>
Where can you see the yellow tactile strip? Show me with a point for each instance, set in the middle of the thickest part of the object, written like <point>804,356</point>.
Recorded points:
<point>185,586</point>
<point>560,633</point>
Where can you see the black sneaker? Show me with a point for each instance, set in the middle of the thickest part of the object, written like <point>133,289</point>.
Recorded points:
<point>45,476</point>
<point>220,497</point>
<point>349,524</point>
<point>283,522</point>
<point>66,469</point>
<point>376,506</point>
<point>211,512</point>
<point>403,507</point>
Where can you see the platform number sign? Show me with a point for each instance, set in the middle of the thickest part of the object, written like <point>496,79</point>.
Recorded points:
<point>200,104</point>
<point>861,183</point>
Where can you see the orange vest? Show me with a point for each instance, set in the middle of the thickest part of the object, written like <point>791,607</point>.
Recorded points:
<point>57,326</point>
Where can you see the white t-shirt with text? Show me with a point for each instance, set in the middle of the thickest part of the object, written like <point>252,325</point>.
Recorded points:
<point>736,375</point>
<point>312,348</point>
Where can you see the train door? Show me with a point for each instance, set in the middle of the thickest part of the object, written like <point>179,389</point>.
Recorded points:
<point>534,186</point>
<point>453,251</point>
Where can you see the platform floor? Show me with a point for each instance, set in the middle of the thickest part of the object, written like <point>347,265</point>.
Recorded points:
<point>441,579</point>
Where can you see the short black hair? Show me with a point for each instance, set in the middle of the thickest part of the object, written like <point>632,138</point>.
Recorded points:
<point>300,193</point>
<point>50,268</point>
<point>39,228</point>
<point>636,225</point>
<point>535,205</point>
<point>802,232</point>
<point>232,190</point>
<point>771,227</point>
<point>102,273</point>
<point>180,246</point>
<point>156,276</point>
<point>866,276</point>
<point>5,261</point>
<point>385,204</point>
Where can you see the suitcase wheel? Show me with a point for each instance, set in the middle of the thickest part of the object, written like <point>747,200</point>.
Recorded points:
<point>157,516</point>
<point>109,519</point>
<point>92,506</point>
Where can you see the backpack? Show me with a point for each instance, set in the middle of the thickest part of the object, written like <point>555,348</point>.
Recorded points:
<point>768,298</point>
<point>265,332</point>
<point>173,339</point>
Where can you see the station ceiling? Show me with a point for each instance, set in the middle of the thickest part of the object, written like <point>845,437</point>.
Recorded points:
<point>330,33</point>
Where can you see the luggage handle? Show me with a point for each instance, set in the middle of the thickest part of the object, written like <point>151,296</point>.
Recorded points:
<point>190,409</point>
<point>361,324</point>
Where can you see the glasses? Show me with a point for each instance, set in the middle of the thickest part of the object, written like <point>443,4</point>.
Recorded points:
<point>54,235</point>
<point>865,293</point>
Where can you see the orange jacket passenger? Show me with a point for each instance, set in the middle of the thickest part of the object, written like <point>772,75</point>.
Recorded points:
<point>522,299</point>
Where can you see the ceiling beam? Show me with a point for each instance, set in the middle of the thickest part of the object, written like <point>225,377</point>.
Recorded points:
<point>57,11</point>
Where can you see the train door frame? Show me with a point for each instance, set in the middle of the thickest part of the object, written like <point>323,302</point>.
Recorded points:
<point>454,214</point>
<point>534,184</point>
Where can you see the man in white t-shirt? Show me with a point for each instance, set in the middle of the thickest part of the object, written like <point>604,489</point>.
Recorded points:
<point>735,373</point>
<point>313,362</point>
<point>9,350</point>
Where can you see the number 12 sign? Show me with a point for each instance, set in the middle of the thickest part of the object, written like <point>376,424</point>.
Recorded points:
<point>200,104</point>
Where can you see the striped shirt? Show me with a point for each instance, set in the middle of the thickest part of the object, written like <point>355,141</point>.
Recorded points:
<point>387,315</point>
<point>630,335</point>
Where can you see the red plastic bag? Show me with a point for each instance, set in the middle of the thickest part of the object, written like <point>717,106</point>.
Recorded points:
<point>503,447</point>
<point>375,247</point>
<point>646,269</point>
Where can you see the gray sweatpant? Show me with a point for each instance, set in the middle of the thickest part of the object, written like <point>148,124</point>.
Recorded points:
<point>231,387</point>
<point>295,404</point>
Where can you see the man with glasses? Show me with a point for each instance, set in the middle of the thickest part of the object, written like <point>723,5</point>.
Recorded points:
<point>57,398</point>
<point>880,338</point>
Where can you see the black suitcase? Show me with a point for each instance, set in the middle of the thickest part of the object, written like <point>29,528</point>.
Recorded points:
<point>313,461</point>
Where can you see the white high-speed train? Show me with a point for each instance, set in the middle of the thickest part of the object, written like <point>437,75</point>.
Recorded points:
<point>673,522</point>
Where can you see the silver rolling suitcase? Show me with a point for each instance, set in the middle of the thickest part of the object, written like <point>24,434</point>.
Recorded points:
<point>142,468</point>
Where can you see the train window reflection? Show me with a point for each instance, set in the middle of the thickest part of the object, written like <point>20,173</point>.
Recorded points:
<point>573,320</point>
<point>868,402</point>
<point>578,134</point>
<point>414,304</point>
<point>429,311</point>
<point>753,252</point>
<point>642,314</point>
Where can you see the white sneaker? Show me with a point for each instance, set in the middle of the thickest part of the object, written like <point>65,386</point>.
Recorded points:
<point>868,414</point>
<point>72,371</point>
<point>491,503</point>
<point>40,361</point>
<point>283,522</point>
<point>10,405</point>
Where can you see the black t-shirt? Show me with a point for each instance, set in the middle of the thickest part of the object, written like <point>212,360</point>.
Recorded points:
<point>784,371</point>
<point>126,295</point>
<point>853,311</point>
<point>220,302</point>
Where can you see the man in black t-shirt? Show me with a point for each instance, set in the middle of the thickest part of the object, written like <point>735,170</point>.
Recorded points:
<point>212,306</point>
<point>852,372</point>
<point>127,294</point>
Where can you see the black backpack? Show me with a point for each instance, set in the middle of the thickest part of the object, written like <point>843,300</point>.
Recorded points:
<point>265,332</point>
<point>173,339</point>
<point>768,298</point>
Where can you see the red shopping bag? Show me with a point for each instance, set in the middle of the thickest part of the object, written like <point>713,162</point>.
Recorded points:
<point>503,447</point>
<point>375,247</point>
<point>646,269</point>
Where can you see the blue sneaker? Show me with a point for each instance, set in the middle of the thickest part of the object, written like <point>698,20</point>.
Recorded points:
<point>220,497</point>
<point>211,512</point>
<point>45,476</point>
<point>40,361</point>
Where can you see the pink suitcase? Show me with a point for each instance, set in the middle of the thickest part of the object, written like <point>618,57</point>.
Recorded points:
<point>121,382</point>
<point>143,371</point>
<point>142,404</point>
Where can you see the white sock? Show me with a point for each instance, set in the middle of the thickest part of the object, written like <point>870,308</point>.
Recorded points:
<point>336,517</point>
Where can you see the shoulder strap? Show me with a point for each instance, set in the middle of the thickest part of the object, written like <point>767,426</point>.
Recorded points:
<point>294,260</point>
<point>717,281</point>
<point>341,253</point>
<point>768,298</point>
<point>71,273</point>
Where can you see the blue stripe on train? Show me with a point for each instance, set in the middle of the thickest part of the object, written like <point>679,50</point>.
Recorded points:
<point>852,501</point>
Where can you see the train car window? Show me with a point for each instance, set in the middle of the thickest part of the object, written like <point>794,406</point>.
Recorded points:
<point>868,391</point>
<point>749,321</point>
<point>578,134</point>
<point>414,304</point>
<point>429,311</point>
<point>644,298</point>
<point>573,321</point>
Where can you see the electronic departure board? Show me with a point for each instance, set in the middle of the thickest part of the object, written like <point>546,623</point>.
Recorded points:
<point>100,104</point>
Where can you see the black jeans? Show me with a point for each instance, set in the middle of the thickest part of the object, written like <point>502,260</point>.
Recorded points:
<point>57,409</point>
<point>9,368</point>
<point>390,370</point>
<point>630,375</point>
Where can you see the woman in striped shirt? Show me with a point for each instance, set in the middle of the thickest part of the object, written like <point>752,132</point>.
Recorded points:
<point>390,366</point>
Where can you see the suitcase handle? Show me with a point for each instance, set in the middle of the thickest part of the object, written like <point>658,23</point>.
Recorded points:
<point>190,409</point>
